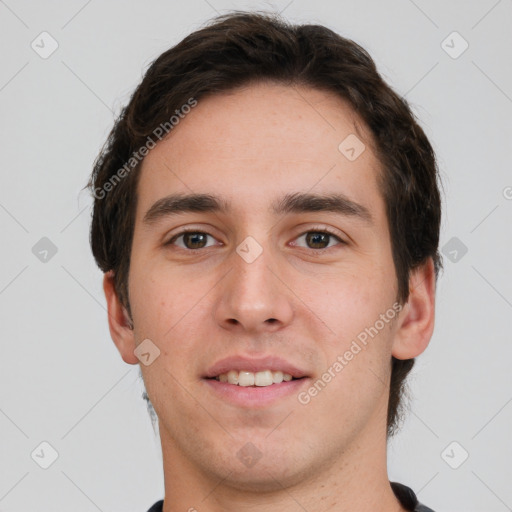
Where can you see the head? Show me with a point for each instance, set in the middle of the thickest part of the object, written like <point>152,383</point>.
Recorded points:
<point>251,109</point>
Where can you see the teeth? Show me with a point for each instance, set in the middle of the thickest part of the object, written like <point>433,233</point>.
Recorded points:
<point>246,379</point>
<point>232,377</point>
<point>277,377</point>
<point>264,378</point>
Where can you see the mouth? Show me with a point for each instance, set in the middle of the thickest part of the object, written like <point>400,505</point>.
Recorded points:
<point>254,383</point>
<point>247,378</point>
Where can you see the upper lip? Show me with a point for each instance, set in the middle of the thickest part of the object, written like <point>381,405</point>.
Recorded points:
<point>244,363</point>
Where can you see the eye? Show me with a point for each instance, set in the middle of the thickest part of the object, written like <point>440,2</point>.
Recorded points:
<point>320,239</point>
<point>191,240</point>
<point>195,240</point>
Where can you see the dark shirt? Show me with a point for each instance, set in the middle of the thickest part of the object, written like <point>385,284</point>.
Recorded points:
<point>404,494</point>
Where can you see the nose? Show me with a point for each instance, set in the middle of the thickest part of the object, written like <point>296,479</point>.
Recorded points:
<point>254,296</point>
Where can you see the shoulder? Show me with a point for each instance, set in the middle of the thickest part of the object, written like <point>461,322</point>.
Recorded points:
<point>408,498</point>
<point>157,507</point>
<point>422,508</point>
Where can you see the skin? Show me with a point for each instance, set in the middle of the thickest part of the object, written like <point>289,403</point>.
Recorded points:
<point>252,146</point>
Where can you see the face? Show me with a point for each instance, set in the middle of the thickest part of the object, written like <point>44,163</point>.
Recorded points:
<point>264,282</point>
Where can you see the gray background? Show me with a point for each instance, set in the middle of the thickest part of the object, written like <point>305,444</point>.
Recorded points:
<point>62,378</point>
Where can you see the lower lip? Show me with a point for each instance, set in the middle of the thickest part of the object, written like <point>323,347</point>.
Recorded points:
<point>255,396</point>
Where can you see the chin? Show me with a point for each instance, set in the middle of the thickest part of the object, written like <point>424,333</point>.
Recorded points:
<point>263,477</point>
<point>270,468</point>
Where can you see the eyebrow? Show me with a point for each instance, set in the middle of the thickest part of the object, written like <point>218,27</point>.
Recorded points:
<point>176,204</point>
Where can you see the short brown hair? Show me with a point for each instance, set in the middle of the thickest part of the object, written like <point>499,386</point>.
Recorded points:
<point>244,47</point>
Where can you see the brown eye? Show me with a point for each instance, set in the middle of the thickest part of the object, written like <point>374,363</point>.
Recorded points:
<point>190,240</point>
<point>194,240</point>
<point>320,239</point>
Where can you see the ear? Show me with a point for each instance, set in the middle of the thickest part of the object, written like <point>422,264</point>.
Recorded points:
<point>119,321</point>
<point>416,320</point>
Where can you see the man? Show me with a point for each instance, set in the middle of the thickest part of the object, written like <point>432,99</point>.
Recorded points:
<point>267,216</point>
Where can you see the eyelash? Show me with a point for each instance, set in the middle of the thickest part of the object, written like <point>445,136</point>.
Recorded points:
<point>195,231</point>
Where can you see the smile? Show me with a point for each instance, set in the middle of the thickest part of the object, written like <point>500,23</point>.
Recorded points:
<point>246,378</point>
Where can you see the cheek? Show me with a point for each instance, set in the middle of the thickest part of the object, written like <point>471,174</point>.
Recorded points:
<point>359,311</point>
<point>159,298</point>
<point>170,309</point>
<point>355,382</point>
<point>167,312</point>
<point>349,302</point>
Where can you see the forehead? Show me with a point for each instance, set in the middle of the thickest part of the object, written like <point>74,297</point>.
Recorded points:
<point>257,143</point>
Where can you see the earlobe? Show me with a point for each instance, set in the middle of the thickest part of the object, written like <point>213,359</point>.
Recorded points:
<point>121,329</point>
<point>416,320</point>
